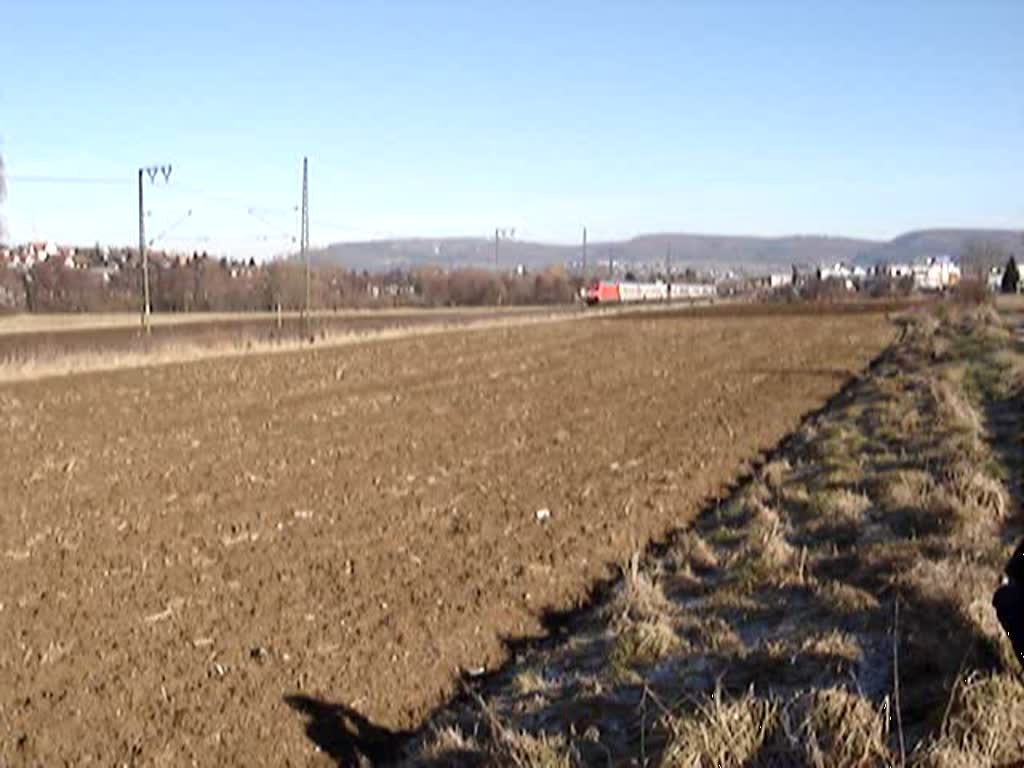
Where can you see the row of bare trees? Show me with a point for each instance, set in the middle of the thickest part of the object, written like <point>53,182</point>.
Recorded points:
<point>478,287</point>
<point>204,285</point>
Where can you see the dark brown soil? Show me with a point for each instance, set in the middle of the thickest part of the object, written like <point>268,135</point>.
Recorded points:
<point>183,547</point>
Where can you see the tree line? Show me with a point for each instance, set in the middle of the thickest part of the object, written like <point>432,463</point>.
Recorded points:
<point>210,285</point>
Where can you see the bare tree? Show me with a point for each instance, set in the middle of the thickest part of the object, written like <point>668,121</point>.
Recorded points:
<point>980,256</point>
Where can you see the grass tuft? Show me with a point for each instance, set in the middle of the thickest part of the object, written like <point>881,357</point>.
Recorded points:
<point>642,642</point>
<point>721,733</point>
<point>834,728</point>
<point>985,724</point>
<point>638,597</point>
<point>774,474</point>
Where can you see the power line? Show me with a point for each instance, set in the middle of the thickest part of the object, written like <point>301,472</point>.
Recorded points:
<point>171,228</point>
<point>23,179</point>
<point>248,205</point>
<point>272,238</point>
<point>190,239</point>
<point>273,227</point>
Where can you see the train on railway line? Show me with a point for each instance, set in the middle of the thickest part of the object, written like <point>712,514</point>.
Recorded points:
<point>609,292</point>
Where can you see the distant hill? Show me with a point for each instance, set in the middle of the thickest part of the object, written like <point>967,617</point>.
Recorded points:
<point>751,255</point>
<point>748,254</point>
<point>448,252</point>
<point>951,242</point>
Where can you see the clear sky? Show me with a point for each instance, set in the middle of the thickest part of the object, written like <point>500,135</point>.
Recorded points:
<point>861,118</point>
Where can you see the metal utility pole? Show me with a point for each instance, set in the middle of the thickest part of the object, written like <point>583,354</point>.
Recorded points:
<point>584,255</point>
<point>499,235</point>
<point>668,270</point>
<point>144,257</point>
<point>304,234</point>
<point>150,171</point>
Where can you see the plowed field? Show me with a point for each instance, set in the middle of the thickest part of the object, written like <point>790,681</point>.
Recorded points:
<point>183,547</point>
<point>30,337</point>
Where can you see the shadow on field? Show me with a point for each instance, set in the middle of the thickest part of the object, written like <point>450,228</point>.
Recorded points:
<point>345,735</point>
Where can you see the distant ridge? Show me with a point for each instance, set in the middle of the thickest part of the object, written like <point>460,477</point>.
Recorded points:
<point>649,251</point>
<point>951,242</point>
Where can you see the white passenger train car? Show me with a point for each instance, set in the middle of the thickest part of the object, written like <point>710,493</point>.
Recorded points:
<point>603,292</point>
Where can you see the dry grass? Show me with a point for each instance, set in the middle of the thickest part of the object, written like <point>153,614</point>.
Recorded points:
<point>846,599</point>
<point>957,498</point>
<point>827,728</point>
<point>835,515</point>
<point>1010,302</point>
<point>449,746</point>
<point>519,749</point>
<point>721,733</point>
<point>984,318</point>
<point>834,643</point>
<point>834,728</point>
<point>963,584</point>
<point>985,726</point>
<point>529,681</point>
<point>505,747</point>
<point>952,407</point>
<point>904,489</point>
<point>972,487</point>
<point>765,556</point>
<point>637,643</point>
<point>843,505</point>
<point>640,620</point>
<point>717,635</point>
<point>774,473</point>
<point>913,505</point>
<point>690,551</point>
<point>522,750</point>
<point>638,597</point>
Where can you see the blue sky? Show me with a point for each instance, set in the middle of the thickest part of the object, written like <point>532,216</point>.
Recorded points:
<point>861,118</point>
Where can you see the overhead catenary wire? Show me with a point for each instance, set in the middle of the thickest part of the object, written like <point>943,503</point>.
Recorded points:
<point>262,213</point>
<point>247,205</point>
<point>171,228</point>
<point>270,225</point>
<point>270,216</point>
<point>191,239</point>
<point>275,219</point>
<point>36,179</point>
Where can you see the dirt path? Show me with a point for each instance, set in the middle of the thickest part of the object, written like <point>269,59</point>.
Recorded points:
<point>181,548</point>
